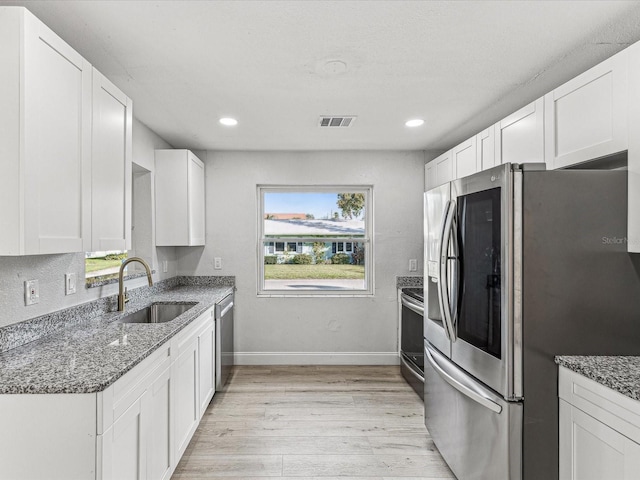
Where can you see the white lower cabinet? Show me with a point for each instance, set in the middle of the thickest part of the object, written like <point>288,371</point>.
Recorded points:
<point>159,461</point>
<point>124,453</point>
<point>137,428</point>
<point>599,431</point>
<point>186,396</point>
<point>206,365</point>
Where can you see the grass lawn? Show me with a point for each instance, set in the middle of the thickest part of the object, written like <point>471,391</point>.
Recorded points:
<point>301,272</point>
<point>95,264</point>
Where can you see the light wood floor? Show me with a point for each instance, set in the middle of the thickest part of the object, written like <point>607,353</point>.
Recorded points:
<point>314,422</point>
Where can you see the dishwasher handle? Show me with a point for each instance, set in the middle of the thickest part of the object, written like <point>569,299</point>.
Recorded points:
<point>224,306</point>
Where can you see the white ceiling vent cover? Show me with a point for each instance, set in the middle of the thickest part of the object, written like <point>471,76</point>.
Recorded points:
<point>337,121</point>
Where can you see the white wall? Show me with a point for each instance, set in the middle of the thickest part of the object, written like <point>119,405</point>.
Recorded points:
<point>311,330</point>
<point>49,270</point>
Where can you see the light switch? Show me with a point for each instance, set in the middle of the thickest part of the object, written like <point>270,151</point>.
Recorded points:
<point>413,265</point>
<point>31,292</point>
<point>69,283</point>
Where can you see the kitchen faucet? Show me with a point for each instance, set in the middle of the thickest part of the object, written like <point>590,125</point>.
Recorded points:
<point>122,296</point>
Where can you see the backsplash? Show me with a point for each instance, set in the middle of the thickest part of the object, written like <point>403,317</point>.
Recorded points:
<point>17,334</point>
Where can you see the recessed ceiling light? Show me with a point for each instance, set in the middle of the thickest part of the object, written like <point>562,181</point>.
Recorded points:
<point>229,122</point>
<point>416,122</point>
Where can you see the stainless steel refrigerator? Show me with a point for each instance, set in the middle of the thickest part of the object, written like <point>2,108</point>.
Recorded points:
<point>522,264</point>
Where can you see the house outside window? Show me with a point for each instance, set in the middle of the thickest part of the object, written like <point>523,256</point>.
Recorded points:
<point>315,240</point>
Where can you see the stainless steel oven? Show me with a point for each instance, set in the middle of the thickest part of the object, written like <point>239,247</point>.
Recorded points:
<point>412,338</point>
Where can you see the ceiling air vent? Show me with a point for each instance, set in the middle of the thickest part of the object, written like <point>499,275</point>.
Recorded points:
<point>342,121</point>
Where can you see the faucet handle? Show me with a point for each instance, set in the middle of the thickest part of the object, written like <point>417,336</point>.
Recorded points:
<point>126,297</point>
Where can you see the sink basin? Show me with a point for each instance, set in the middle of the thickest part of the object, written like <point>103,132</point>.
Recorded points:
<point>157,313</point>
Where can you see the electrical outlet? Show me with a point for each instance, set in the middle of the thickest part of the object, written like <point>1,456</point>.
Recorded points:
<point>165,266</point>
<point>217,263</point>
<point>413,265</point>
<point>31,292</point>
<point>69,283</point>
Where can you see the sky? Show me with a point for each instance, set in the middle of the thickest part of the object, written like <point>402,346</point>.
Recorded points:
<point>320,205</point>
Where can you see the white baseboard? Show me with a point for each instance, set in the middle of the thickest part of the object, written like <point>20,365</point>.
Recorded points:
<point>316,358</point>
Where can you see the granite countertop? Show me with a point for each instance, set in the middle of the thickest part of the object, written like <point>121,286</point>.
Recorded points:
<point>620,373</point>
<point>93,354</point>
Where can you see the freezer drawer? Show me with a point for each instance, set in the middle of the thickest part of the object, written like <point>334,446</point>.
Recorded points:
<point>478,433</point>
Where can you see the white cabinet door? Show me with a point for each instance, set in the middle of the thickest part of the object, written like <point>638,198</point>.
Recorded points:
<point>633,224</point>
<point>45,138</point>
<point>520,136</point>
<point>180,198</point>
<point>486,148</point>
<point>123,449</point>
<point>187,405</point>
<point>159,448</point>
<point>110,167</point>
<point>590,450</point>
<point>439,171</point>
<point>429,176</point>
<point>586,118</point>
<point>196,200</point>
<point>206,363</point>
<point>465,159</point>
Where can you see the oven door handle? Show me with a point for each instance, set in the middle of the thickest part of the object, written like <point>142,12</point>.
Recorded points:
<point>412,304</point>
<point>443,280</point>
<point>460,381</point>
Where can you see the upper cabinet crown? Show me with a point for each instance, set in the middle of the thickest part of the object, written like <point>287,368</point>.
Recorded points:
<point>180,210</point>
<point>45,138</point>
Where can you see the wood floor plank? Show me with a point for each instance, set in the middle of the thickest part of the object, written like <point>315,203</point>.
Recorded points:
<point>345,465</point>
<point>312,423</point>
<point>255,445</point>
<point>231,466</point>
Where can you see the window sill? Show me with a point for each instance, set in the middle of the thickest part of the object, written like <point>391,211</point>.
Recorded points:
<point>314,294</point>
<point>110,279</point>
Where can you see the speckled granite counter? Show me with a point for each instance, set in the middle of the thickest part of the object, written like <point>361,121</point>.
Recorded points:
<point>94,353</point>
<point>414,281</point>
<point>620,373</point>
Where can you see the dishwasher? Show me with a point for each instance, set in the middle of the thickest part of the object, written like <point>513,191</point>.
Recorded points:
<point>224,340</point>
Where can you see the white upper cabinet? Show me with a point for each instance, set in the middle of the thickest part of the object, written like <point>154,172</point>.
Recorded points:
<point>180,210</point>
<point>439,171</point>
<point>45,138</point>
<point>486,148</point>
<point>520,136</point>
<point>633,233</point>
<point>464,158</point>
<point>110,167</point>
<point>586,118</point>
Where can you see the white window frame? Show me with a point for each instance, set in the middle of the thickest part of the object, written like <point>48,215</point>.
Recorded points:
<point>367,190</point>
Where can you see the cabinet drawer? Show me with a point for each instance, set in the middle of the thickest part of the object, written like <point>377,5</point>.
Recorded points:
<point>115,399</point>
<point>604,404</point>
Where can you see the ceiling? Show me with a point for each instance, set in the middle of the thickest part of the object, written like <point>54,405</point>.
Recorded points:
<point>459,65</point>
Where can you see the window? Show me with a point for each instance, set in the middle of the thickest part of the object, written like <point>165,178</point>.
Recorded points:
<point>315,240</point>
<point>100,266</point>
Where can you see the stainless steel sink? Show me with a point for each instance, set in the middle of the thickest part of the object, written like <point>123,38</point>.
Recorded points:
<point>157,313</point>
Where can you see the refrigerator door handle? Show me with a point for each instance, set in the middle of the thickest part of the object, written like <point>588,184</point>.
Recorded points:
<point>461,382</point>
<point>443,281</point>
